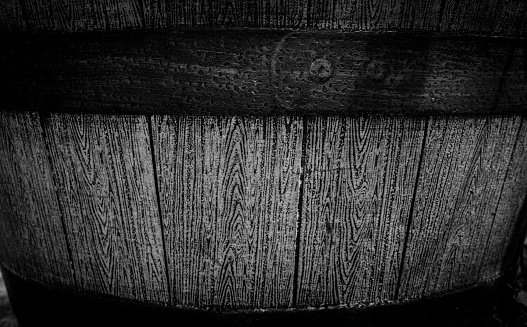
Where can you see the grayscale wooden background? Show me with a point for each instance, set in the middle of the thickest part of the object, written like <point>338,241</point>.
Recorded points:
<point>140,168</point>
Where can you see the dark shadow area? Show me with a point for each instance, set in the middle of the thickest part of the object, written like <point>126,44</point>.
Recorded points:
<point>38,305</point>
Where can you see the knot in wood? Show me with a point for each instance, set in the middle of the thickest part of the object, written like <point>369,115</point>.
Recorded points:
<point>320,70</point>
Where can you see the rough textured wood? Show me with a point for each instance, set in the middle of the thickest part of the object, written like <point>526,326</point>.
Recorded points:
<point>105,181</point>
<point>464,168</point>
<point>255,72</point>
<point>390,74</point>
<point>359,180</point>
<point>198,72</point>
<point>83,15</point>
<point>470,16</point>
<point>11,18</point>
<point>33,242</point>
<point>377,15</point>
<point>420,15</point>
<point>488,17</point>
<point>229,196</point>
<point>508,220</point>
<point>512,18</point>
<point>37,15</point>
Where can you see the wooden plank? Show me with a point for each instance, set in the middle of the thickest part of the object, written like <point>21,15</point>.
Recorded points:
<point>420,15</point>
<point>464,168</point>
<point>466,74</point>
<point>84,15</point>
<point>481,17</point>
<point>470,16</point>
<point>359,179</point>
<point>74,15</point>
<point>37,15</point>
<point>512,18</point>
<point>198,72</point>
<point>33,241</point>
<point>222,13</point>
<point>229,196</point>
<point>207,72</point>
<point>11,17</point>
<point>393,74</point>
<point>155,13</point>
<point>487,17</point>
<point>513,93</point>
<point>378,15</point>
<point>508,220</point>
<point>105,181</point>
<point>120,14</point>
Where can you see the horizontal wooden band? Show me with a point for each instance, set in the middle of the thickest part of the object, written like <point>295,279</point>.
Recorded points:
<point>262,72</point>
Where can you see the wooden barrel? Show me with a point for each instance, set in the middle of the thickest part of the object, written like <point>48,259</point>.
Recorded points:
<point>259,162</point>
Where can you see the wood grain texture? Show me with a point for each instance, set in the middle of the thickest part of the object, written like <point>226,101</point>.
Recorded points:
<point>464,168</point>
<point>470,16</point>
<point>229,196</point>
<point>318,14</point>
<point>32,240</point>
<point>487,17</point>
<point>420,15</point>
<point>483,17</point>
<point>11,17</point>
<point>376,15</point>
<point>512,18</point>
<point>359,180</point>
<point>37,15</point>
<point>105,181</point>
<point>255,72</point>
<point>83,15</point>
<point>508,219</point>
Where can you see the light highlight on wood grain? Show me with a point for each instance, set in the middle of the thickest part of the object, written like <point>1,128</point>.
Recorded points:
<point>104,176</point>
<point>229,196</point>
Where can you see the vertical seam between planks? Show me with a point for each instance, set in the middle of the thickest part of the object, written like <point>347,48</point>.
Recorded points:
<point>142,14</point>
<point>506,69</point>
<point>61,211</point>
<point>158,201</point>
<point>411,213</point>
<point>299,209</point>
<point>502,187</point>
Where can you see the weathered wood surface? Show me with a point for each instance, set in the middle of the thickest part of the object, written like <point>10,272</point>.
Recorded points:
<point>105,183</point>
<point>235,193</point>
<point>259,72</point>
<point>466,165</point>
<point>229,190</point>
<point>508,225</point>
<point>193,72</point>
<point>11,18</point>
<point>489,17</point>
<point>83,15</point>
<point>511,18</point>
<point>32,242</point>
<point>392,74</point>
<point>358,184</point>
<point>421,15</point>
